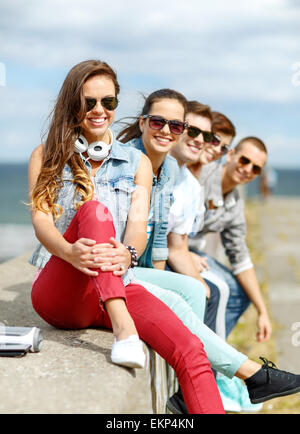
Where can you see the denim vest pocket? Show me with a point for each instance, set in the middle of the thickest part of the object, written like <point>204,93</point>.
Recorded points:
<point>121,191</point>
<point>67,199</point>
<point>66,189</point>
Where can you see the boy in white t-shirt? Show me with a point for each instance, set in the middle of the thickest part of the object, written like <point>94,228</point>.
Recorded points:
<point>187,211</point>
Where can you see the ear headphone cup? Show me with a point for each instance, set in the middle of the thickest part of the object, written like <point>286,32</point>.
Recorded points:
<point>81,144</point>
<point>97,151</point>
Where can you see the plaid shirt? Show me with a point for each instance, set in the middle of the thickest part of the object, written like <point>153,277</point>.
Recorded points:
<point>227,218</point>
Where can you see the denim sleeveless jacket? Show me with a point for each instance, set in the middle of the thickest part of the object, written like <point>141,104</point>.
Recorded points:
<point>114,184</point>
<point>160,204</point>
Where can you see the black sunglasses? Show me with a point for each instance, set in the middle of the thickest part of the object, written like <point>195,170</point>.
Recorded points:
<point>207,135</point>
<point>216,142</point>
<point>224,149</point>
<point>244,161</point>
<point>158,122</point>
<point>108,102</point>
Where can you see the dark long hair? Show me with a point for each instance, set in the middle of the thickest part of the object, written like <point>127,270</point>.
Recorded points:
<point>65,119</point>
<point>132,131</point>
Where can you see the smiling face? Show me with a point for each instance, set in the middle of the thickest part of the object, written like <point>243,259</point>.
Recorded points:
<point>161,141</point>
<point>237,173</point>
<point>188,149</point>
<point>98,119</point>
<point>211,152</point>
<point>214,152</point>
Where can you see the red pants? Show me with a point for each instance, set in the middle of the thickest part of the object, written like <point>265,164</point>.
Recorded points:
<point>67,298</point>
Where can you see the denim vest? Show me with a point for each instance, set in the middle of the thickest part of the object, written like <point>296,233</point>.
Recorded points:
<point>114,184</point>
<point>160,204</point>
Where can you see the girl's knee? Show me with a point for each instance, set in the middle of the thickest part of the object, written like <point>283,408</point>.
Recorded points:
<point>94,205</point>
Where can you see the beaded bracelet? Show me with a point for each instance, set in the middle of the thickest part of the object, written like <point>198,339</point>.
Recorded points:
<point>134,256</point>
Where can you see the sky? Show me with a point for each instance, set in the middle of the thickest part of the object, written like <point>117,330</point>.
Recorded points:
<point>242,58</point>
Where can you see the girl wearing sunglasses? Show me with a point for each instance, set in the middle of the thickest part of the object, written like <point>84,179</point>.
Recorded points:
<point>90,211</point>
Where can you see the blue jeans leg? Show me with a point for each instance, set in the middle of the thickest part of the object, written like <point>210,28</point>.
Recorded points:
<point>238,300</point>
<point>212,303</point>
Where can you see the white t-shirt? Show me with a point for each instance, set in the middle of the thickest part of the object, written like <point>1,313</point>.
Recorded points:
<point>187,212</point>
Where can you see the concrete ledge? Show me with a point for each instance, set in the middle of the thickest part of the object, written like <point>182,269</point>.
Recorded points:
<point>73,372</point>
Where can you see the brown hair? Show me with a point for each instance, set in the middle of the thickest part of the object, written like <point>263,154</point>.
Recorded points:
<point>133,131</point>
<point>197,108</point>
<point>258,143</point>
<point>221,124</point>
<point>65,119</point>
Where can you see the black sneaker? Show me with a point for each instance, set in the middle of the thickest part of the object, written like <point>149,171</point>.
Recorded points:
<point>176,403</point>
<point>270,382</point>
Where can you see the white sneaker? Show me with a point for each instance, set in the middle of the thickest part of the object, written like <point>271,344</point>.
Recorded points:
<point>128,352</point>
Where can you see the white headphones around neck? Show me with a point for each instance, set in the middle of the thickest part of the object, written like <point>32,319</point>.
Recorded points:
<point>96,151</point>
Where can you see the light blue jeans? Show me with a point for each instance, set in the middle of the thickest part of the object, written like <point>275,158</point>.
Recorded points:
<point>185,296</point>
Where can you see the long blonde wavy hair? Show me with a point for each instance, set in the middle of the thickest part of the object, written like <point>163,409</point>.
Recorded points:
<point>65,120</point>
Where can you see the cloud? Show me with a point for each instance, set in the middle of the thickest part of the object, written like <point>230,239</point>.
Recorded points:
<point>216,51</point>
<point>284,152</point>
<point>23,118</point>
<point>184,44</point>
<point>24,104</point>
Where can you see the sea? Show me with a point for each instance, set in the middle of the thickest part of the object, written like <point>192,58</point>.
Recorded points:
<point>16,232</point>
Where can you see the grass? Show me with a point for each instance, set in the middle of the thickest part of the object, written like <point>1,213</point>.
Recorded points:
<point>243,335</point>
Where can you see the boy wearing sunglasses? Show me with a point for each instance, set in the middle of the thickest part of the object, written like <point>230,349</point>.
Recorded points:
<point>197,145</point>
<point>225,215</point>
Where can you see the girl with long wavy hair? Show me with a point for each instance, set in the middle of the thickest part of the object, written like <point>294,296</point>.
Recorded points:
<point>89,198</point>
